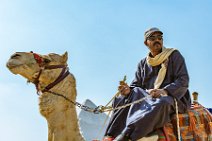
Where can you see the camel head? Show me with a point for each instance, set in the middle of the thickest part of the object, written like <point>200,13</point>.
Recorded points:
<point>28,64</point>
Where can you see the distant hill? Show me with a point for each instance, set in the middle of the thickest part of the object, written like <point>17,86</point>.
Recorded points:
<point>92,124</point>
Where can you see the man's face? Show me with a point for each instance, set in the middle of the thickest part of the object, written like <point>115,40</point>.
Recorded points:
<point>155,42</point>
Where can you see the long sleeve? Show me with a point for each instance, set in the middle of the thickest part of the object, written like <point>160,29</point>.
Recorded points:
<point>137,82</point>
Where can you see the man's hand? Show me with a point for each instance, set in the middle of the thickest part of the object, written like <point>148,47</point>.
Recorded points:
<point>123,88</point>
<point>156,93</point>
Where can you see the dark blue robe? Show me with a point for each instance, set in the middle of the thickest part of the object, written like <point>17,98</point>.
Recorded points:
<point>138,120</point>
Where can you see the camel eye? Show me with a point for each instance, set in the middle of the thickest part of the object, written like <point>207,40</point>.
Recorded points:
<point>46,60</point>
<point>15,56</point>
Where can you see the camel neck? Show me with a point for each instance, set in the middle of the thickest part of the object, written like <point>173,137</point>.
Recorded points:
<point>61,114</point>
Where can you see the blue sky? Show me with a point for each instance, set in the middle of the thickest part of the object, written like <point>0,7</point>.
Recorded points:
<point>104,39</point>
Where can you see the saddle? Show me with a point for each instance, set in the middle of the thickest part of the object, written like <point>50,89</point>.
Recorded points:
<point>195,125</point>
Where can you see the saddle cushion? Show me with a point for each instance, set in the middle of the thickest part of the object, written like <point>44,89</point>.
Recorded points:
<point>194,125</point>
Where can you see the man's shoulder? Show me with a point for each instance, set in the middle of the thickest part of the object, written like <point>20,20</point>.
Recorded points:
<point>176,55</point>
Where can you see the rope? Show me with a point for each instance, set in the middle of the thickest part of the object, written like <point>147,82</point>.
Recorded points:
<point>118,93</point>
<point>109,108</point>
<point>112,98</point>
<point>178,122</point>
<point>107,105</point>
<point>103,125</point>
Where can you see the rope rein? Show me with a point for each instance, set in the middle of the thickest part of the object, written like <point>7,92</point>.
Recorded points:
<point>99,109</point>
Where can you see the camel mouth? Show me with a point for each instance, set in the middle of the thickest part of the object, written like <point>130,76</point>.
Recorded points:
<point>13,67</point>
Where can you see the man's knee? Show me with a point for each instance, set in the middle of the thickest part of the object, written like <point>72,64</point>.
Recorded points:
<point>166,101</point>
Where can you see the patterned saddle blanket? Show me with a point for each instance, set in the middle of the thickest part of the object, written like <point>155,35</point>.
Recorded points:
<point>196,125</point>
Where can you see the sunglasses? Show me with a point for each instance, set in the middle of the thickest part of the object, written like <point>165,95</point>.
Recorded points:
<point>153,38</point>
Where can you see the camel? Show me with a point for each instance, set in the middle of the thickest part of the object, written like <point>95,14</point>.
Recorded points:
<point>61,116</point>
<point>56,87</point>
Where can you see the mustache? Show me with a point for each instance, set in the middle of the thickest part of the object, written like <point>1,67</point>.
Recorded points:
<point>157,43</point>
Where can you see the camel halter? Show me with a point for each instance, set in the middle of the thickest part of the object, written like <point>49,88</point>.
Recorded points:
<point>65,72</point>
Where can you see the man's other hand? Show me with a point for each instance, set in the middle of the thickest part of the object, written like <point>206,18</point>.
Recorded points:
<point>123,88</point>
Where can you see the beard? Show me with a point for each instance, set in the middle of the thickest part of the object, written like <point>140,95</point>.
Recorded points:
<point>156,47</point>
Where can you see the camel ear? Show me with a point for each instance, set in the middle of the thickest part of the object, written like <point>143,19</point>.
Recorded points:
<point>65,57</point>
